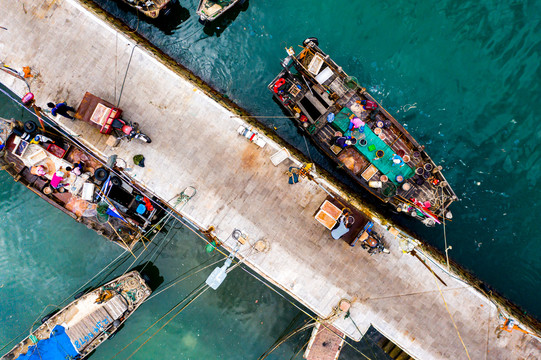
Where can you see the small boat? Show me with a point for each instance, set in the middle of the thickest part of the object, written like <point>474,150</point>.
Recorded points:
<point>79,328</point>
<point>210,10</point>
<point>151,8</point>
<point>63,172</point>
<point>352,128</point>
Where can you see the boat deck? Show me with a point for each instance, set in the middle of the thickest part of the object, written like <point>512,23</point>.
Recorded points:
<point>88,321</point>
<point>325,344</point>
<point>239,187</point>
<point>320,87</point>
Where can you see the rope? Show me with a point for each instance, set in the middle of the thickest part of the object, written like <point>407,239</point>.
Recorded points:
<point>261,116</point>
<point>199,288</point>
<point>451,316</point>
<point>14,73</point>
<point>309,155</point>
<point>168,321</point>
<point>116,62</point>
<point>202,288</point>
<point>300,350</point>
<point>276,345</point>
<point>184,278</point>
<point>444,232</point>
<point>126,74</point>
<point>120,237</point>
<point>165,219</point>
<point>304,311</point>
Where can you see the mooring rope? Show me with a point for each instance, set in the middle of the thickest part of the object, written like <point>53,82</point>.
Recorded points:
<point>451,316</point>
<point>304,311</point>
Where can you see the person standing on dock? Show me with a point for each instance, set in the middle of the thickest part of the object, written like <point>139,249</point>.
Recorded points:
<point>61,109</point>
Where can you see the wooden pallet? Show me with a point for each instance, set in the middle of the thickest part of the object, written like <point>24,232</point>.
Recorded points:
<point>95,323</point>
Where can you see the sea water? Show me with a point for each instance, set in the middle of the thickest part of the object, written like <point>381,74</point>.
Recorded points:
<point>46,258</point>
<point>464,79</point>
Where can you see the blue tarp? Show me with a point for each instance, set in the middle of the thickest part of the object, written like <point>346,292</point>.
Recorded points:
<point>57,347</point>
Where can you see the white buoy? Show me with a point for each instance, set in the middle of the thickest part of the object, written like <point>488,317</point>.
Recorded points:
<point>218,275</point>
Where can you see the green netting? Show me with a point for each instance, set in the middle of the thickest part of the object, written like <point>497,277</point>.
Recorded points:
<point>385,164</point>
<point>102,218</point>
<point>102,208</point>
<point>351,82</point>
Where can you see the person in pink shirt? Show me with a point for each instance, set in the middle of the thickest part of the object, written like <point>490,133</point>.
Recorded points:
<point>57,179</point>
<point>356,123</point>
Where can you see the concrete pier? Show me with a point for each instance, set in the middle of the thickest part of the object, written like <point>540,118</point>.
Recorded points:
<point>196,143</point>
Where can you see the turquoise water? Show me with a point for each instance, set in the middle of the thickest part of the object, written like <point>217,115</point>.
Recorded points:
<point>46,257</point>
<point>464,77</point>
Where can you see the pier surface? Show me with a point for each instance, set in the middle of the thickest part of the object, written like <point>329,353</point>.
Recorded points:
<point>195,143</point>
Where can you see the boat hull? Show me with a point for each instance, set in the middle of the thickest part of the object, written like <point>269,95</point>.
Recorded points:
<point>384,158</point>
<point>90,319</point>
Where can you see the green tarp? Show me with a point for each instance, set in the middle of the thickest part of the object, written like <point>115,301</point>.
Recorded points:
<point>385,164</point>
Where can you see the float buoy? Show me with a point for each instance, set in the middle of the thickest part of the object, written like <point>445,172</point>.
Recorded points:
<point>27,99</point>
<point>101,174</point>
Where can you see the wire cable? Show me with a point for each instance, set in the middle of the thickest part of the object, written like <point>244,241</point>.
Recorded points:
<point>198,288</point>
<point>451,316</point>
<point>304,311</point>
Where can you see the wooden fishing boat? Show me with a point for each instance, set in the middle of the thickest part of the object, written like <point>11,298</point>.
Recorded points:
<point>98,196</point>
<point>210,10</point>
<point>151,8</point>
<point>380,154</point>
<point>79,328</point>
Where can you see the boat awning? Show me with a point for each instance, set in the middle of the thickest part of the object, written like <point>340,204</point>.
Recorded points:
<point>57,347</point>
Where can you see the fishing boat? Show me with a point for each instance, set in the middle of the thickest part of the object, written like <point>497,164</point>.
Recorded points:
<point>151,8</point>
<point>354,130</point>
<point>210,10</point>
<point>79,328</point>
<point>63,172</point>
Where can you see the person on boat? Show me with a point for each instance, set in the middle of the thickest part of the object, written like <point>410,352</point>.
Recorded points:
<point>58,178</point>
<point>344,141</point>
<point>397,160</point>
<point>343,225</point>
<point>369,104</point>
<point>61,109</point>
<point>38,170</point>
<point>356,123</point>
<point>77,169</point>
